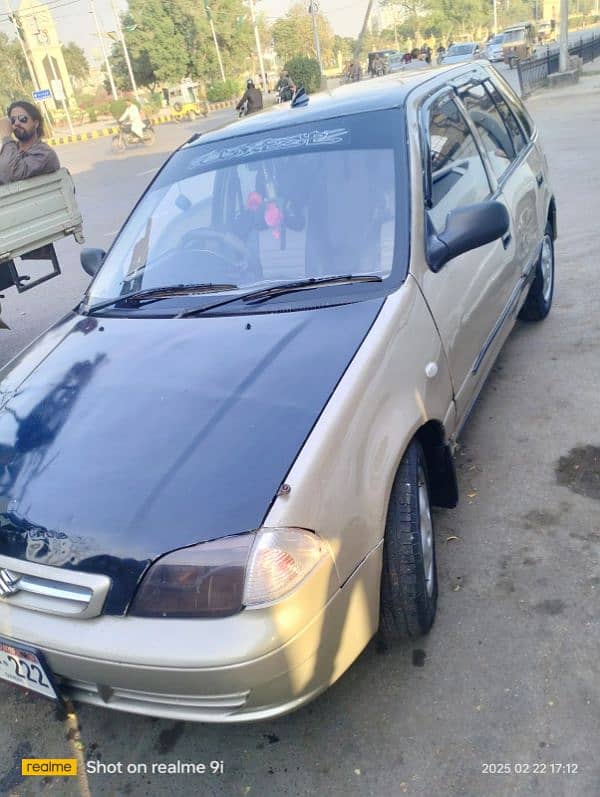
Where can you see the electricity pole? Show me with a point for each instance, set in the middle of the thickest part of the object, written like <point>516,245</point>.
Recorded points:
<point>258,47</point>
<point>104,53</point>
<point>313,10</point>
<point>214,35</point>
<point>563,56</point>
<point>121,36</point>
<point>495,18</point>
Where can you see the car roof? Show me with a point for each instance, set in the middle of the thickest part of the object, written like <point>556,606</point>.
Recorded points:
<point>377,94</point>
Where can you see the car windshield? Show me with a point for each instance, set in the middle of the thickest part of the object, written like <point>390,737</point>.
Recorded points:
<point>257,210</point>
<point>497,39</point>
<point>514,35</point>
<point>461,49</point>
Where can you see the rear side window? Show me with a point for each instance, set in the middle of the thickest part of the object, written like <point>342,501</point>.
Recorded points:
<point>515,105</point>
<point>494,134</point>
<point>457,176</point>
<point>518,139</point>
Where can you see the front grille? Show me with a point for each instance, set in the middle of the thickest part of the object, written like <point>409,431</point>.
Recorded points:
<point>53,590</point>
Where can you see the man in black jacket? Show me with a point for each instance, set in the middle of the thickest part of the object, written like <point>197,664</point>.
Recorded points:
<point>251,99</point>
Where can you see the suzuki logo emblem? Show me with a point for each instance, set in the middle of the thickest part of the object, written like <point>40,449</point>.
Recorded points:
<point>9,583</point>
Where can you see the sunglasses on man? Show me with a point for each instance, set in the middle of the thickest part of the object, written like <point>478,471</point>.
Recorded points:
<point>21,119</point>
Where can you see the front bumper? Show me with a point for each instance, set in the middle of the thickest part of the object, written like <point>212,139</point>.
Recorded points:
<point>255,665</point>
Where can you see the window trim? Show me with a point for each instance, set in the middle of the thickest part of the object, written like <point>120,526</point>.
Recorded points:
<point>424,115</point>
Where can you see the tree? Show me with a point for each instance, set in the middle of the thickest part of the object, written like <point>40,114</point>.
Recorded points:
<point>293,36</point>
<point>171,39</point>
<point>75,61</point>
<point>15,83</point>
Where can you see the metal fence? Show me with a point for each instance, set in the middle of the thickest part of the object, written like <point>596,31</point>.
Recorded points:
<point>534,71</point>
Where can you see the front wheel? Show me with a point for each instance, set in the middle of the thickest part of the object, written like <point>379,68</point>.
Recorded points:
<point>539,299</point>
<point>409,585</point>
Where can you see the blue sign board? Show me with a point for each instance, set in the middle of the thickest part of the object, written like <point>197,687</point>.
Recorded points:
<point>44,94</point>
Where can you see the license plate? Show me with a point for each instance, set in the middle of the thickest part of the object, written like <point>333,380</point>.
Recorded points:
<point>25,667</point>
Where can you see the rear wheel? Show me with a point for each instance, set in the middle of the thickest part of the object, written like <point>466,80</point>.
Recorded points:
<point>409,585</point>
<point>118,142</point>
<point>149,137</point>
<point>539,299</point>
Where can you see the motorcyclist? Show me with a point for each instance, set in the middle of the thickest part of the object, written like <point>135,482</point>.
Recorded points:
<point>131,115</point>
<point>251,100</point>
<point>285,87</point>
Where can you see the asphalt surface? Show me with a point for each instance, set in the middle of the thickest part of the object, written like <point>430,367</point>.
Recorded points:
<point>502,697</point>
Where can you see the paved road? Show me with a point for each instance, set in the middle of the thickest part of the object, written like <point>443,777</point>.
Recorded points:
<point>509,675</point>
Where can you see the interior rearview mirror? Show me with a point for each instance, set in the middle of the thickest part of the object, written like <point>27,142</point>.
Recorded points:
<point>467,228</point>
<point>91,260</point>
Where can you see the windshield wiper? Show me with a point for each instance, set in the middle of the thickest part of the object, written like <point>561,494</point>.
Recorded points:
<point>137,298</point>
<point>264,294</point>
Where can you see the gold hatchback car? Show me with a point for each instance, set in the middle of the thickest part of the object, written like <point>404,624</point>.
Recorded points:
<point>217,472</point>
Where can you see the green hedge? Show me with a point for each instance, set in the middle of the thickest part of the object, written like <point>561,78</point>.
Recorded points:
<point>223,90</point>
<point>305,72</point>
<point>117,108</point>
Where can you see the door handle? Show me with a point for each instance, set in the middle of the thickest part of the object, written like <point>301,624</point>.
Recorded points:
<point>539,178</point>
<point>506,239</point>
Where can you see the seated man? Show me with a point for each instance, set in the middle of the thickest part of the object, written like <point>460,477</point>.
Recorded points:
<point>28,156</point>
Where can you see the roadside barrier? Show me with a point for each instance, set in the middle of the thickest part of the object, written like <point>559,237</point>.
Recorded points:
<point>535,71</point>
<point>112,131</point>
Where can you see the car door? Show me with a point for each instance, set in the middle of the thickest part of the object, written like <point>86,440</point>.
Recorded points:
<point>520,121</point>
<point>467,296</point>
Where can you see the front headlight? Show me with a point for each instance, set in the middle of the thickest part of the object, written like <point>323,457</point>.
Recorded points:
<point>220,578</point>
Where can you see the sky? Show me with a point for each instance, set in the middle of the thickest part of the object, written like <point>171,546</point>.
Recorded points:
<point>75,22</point>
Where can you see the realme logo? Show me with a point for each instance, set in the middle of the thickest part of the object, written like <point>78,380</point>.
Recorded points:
<point>49,766</point>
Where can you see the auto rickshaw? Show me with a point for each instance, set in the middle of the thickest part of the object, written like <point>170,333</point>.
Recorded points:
<point>184,100</point>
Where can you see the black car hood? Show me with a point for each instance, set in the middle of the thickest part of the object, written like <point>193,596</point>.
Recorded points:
<point>122,439</point>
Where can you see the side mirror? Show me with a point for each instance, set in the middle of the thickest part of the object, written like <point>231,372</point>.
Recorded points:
<point>467,228</point>
<point>91,260</point>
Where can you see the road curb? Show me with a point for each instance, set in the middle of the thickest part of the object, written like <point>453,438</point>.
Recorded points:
<point>112,131</point>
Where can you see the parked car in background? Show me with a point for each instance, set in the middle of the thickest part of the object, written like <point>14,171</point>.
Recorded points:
<point>461,53</point>
<point>493,49</point>
<point>217,471</point>
<point>395,62</point>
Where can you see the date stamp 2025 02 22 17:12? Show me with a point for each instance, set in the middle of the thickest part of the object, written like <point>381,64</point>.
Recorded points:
<point>525,768</point>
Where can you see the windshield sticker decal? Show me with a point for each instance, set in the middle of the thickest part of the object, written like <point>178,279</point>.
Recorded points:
<point>309,139</point>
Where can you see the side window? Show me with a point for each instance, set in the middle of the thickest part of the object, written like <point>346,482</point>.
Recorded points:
<point>516,134</point>
<point>515,105</point>
<point>457,173</point>
<point>491,128</point>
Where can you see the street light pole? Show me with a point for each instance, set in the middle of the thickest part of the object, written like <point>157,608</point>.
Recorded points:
<point>125,51</point>
<point>258,47</point>
<point>563,56</point>
<point>313,9</point>
<point>104,53</point>
<point>495,17</point>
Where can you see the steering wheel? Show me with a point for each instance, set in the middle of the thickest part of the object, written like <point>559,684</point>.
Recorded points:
<point>235,253</point>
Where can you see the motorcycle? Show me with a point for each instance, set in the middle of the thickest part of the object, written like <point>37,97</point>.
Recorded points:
<point>125,138</point>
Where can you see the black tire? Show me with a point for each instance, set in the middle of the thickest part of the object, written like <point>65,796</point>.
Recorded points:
<point>177,106</point>
<point>539,299</point>
<point>118,143</point>
<point>408,593</point>
<point>149,136</point>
